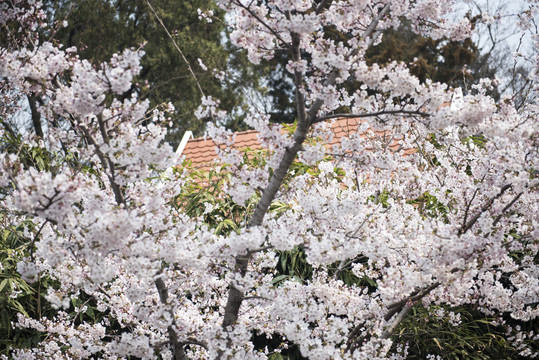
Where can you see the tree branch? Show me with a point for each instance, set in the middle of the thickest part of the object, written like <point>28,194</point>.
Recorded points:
<point>373,114</point>
<point>485,207</point>
<point>261,21</point>
<point>177,346</point>
<point>264,248</point>
<point>305,119</point>
<point>402,307</point>
<point>323,4</point>
<point>402,315</point>
<point>417,295</point>
<point>372,26</point>
<point>36,116</point>
<point>507,207</point>
<point>107,164</point>
<point>8,128</point>
<point>177,48</point>
<point>468,207</point>
<point>235,296</point>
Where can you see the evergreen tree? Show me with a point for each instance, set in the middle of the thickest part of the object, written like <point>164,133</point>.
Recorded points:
<point>456,63</point>
<point>100,28</point>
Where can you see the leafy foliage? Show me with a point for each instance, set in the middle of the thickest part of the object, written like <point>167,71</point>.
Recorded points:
<point>454,333</point>
<point>16,295</point>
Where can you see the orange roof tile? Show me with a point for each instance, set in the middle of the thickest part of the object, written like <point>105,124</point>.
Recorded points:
<point>201,151</point>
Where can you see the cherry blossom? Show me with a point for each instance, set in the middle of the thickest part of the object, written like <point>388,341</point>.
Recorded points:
<point>108,228</point>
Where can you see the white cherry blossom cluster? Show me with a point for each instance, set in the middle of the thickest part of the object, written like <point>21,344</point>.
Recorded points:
<point>451,221</point>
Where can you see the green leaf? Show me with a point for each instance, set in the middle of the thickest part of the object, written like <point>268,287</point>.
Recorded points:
<point>18,306</point>
<point>279,279</point>
<point>3,284</point>
<point>5,234</point>
<point>370,281</point>
<point>90,312</point>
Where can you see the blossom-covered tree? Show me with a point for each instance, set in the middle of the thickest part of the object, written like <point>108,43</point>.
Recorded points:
<point>107,228</point>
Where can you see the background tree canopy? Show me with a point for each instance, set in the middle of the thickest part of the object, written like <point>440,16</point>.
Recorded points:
<point>101,28</point>
<point>456,63</point>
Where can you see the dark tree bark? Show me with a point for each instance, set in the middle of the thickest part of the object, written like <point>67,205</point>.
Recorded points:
<point>36,116</point>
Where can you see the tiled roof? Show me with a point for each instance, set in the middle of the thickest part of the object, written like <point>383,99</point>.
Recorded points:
<point>345,127</point>
<point>201,151</point>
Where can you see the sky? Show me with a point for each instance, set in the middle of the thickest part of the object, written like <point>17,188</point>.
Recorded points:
<point>504,29</point>
<point>513,49</point>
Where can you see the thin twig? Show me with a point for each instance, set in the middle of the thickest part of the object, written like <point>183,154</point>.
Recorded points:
<point>177,48</point>
<point>485,207</point>
<point>468,207</point>
<point>373,114</point>
<point>507,207</point>
<point>417,295</point>
<point>275,33</point>
<point>35,239</point>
